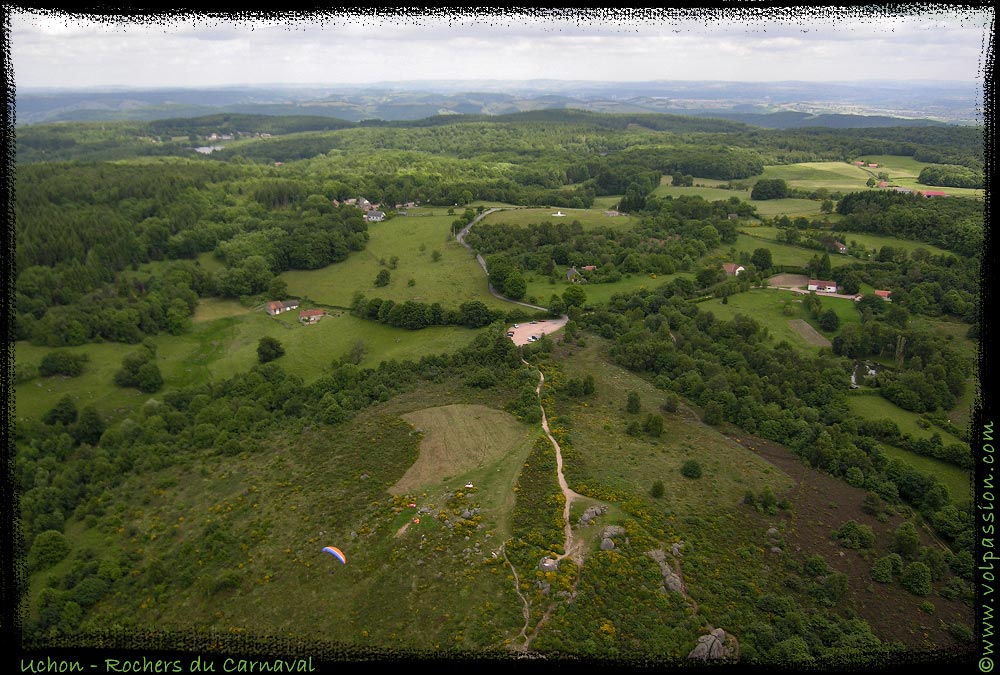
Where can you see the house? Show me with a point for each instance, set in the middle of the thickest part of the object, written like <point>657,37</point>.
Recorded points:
<point>278,307</point>
<point>933,193</point>
<point>873,166</point>
<point>612,213</point>
<point>572,275</point>
<point>822,286</point>
<point>841,247</point>
<point>374,216</point>
<point>902,189</point>
<point>884,295</point>
<point>590,268</point>
<point>310,315</point>
<point>732,269</point>
<point>882,184</point>
<point>859,163</point>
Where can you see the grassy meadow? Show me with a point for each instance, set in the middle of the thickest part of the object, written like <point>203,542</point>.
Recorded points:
<point>455,278</point>
<point>594,217</point>
<point>602,457</point>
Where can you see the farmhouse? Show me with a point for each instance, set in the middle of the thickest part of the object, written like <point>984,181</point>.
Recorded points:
<point>859,163</point>
<point>841,247</point>
<point>823,286</point>
<point>590,268</point>
<point>308,316</point>
<point>572,275</point>
<point>374,216</point>
<point>278,307</point>
<point>732,269</point>
<point>872,165</point>
<point>884,295</point>
<point>882,184</point>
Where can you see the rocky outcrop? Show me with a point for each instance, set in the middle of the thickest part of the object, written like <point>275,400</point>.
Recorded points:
<point>548,564</point>
<point>671,582</point>
<point>716,645</point>
<point>591,513</point>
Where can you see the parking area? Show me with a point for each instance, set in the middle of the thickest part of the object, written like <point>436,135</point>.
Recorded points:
<point>521,333</point>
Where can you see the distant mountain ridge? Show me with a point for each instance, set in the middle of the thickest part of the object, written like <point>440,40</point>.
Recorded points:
<point>771,105</point>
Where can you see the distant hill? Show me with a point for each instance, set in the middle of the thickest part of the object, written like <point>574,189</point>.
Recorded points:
<point>770,105</point>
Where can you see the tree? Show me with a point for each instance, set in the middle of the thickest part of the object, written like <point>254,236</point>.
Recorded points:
<point>761,259</point>
<point>60,362</point>
<point>269,349</point>
<point>382,278</point>
<point>514,286</point>
<point>574,296</point>
<point>632,405</point>
<point>826,206</point>
<point>906,540</point>
<point>89,426</point>
<point>769,188</point>
<point>63,413</point>
<point>828,320</point>
<point>48,548</point>
<point>435,255</point>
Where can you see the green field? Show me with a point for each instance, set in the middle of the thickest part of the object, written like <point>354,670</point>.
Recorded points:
<point>957,482</point>
<point>834,176</point>
<point>603,455</point>
<point>784,254</point>
<point>452,280</point>
<point>222,347</point>
<point>766,306</point>
<point>877,408</point>
<point>588,217</point>
<point>872,242</point>
<point>539,287</point>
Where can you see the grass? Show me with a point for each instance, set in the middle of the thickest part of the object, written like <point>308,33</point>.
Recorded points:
<point>903,171</point>
<point>954,479</point>
<point>452,280</point>
<point>834,176</point>
<point>602,454</point>
<point>539,287</point>
<point>222,346</point>
<point>869,241</point>
<point>877,408</point>
<point>766,307</point>
<point>785,254</point>
<point>594,217</point>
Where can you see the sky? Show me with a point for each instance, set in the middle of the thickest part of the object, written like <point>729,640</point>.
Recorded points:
<point>50,48</point>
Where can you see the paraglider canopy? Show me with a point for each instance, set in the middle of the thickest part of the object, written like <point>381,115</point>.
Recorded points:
<point>336,553</point>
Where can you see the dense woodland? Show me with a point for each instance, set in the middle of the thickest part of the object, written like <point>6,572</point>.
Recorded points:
<point>93,202</point>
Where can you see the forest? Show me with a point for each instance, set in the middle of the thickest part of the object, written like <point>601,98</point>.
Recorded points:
<point>163,481</point>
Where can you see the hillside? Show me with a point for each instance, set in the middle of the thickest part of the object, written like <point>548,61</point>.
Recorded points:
<point>704,443</point>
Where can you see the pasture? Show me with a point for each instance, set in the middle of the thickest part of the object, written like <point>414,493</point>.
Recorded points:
<point>588,218</point>
<point>834,176</point>
<point>903,171</point>
<point>453,279</point>
<point>602,456</point>
<point>877,408</point>
<point>222,347</point>
<point>957,481</point>
<point>766,306</point>
<point>872,242</point>
<point>542,287</point>
<point>784,254</point>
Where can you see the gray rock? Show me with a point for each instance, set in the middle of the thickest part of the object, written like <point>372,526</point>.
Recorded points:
<point>548,565</point>
<point>772,532</point>
<point>711,646</point>
<point>676,549</point>
<point>612,531</point>
<point>607,544</point>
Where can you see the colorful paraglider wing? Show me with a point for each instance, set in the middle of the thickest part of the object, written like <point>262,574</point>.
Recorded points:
<point>336,553</point>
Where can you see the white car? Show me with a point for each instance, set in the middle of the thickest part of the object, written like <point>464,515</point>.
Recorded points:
<point>517,325</point>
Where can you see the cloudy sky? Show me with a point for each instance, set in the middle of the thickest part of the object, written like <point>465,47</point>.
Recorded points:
<point>929,42</point>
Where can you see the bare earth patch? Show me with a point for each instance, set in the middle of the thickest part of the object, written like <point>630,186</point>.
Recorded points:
<point>456,439</point>
<point>821,504</point>
<point>808,333</point>
<point>788,280</point>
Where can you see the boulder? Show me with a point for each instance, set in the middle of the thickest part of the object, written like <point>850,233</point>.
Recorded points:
<point>607,544</point>
<point>548,565</point>
<point>712,646</point>
<point>676,549</point>
<point>612,531</point>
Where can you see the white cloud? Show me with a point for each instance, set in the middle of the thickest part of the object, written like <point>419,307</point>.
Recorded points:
<point>53,49</point>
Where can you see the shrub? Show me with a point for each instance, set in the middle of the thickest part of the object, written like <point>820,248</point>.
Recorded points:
<point>62,363</point>
<point>691,469</point>
<point>48,548</point>
<point>916,579</point>
<point>882,570</point>
<point>854,535</point>
<point>657,489</point>
<point>269,349</point>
